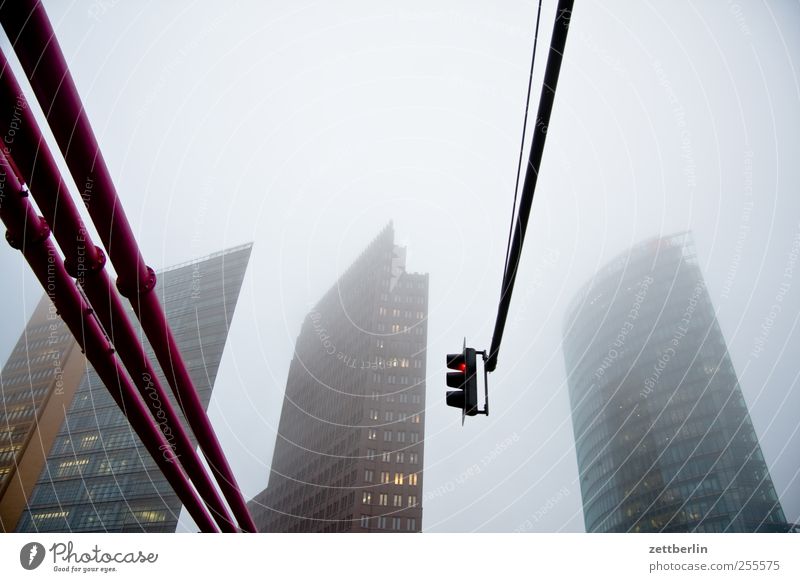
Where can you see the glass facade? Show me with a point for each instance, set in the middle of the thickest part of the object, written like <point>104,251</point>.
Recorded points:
<point>98,476</point>
<point>349,451</point>
<point>663,437</point>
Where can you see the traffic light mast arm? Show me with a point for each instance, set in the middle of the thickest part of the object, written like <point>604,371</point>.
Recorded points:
<point>554,58</point>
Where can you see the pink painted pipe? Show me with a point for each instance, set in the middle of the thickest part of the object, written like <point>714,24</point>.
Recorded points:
<point>29,29</point>
<point>30,233</point>
<point>34,165</point>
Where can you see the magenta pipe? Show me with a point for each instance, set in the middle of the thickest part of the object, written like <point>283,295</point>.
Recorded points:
<point>29,29</point>
<point>30,234</point>
<point>34,164</point>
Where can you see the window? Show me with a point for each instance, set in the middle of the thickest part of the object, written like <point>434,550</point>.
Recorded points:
<point>395,523</point>
<point>376,378</point>
<point>403,398</point>
<point>388,416</point>
<point>414,437</point>
<point>384,476</point>
<point>404,382</point>
<point>381,311</point>
<point>395,312</point>
<point>397,501</point>
<point>371,454</point>
<point>411,524</point>
<point>398,478</point>
<point>383,499</point>
<point>416,398</point>
<point>413,458</point>
<point>391,379</point>
<point>412,500</point>
<point>418,364</point>
<point>373,414</point>
<point>372,434</point>
<point>395,328</point>
<point>412,479</point>
<point>415,419</point>
<point>368,475</point>
<point>400,458</point>
<point>386,456</point>
<point>387,436</point>
<point>365,521</point>
<point>401,436</point>
<point>381,523</point>
<point>366,497</point>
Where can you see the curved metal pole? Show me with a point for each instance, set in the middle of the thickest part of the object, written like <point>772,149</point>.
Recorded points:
<point>35,166</point>
<point>29,29</point>
<point>30,234</point>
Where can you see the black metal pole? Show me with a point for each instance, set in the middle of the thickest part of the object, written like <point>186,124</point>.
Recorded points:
<point>553,68</point>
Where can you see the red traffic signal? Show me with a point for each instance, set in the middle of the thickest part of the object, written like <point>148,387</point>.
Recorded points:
<point>465,380</point>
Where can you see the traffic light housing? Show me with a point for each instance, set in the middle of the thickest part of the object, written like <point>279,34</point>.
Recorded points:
<point>465,380</point>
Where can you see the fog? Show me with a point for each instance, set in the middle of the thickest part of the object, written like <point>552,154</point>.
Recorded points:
<point>306,126</point>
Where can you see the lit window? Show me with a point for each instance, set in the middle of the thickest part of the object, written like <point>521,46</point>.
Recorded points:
<point>386,456</point>
<point>366,497</point>
<point>415,419</point>
<point>373,414</point>
<point>385,476</point>
<point>398,478</point>
<point>412,500</point>
<point>372,434</point>
<point>412,479</point>
<point>400,458</point>
<point>413,458</point>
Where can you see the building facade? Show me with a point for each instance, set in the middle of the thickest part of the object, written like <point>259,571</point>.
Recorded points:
<point>349,451</point>
<point>98,476</point>
<point>663,437</point>
<point>37,385</point>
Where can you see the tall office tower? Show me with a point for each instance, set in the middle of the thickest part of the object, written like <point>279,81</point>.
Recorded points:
<point>98,476</point>
<point>37,385</point>
<point>662,433</point>
<point>349,450</point>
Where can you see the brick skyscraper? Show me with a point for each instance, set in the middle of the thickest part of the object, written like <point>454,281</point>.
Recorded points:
<point>349,451</point>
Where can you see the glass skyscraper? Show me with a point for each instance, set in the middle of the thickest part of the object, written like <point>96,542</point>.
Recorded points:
<point>98,476</point>
<point>663,436</point>
<point>349,451</point>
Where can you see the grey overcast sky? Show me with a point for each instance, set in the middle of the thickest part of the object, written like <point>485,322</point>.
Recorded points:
<point>306,126</point>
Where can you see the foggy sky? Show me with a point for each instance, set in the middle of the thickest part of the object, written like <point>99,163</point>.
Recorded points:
<point>306,126</point>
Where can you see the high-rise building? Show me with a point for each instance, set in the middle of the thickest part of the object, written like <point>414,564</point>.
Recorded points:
<point>349,450</point>
<point>98,476</point>
<point>37,385</point>
<point>662,432</point>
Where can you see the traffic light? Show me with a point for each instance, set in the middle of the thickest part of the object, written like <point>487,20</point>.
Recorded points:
<point>465,380</point>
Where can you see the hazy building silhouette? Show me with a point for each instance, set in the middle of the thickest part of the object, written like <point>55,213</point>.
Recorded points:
<point>663,437</point>
<point>98,476</point>
<point>349,450</point>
